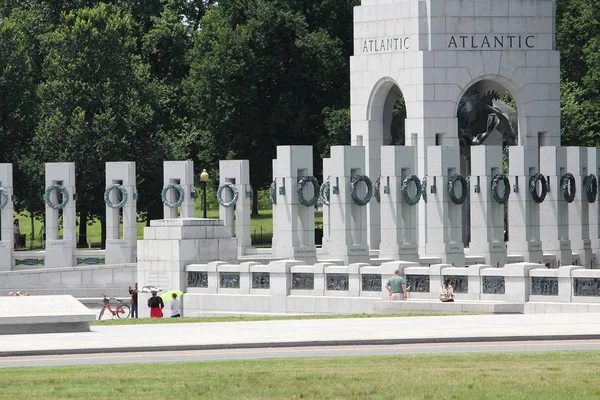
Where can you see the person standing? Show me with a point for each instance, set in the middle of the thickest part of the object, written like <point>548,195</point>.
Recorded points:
<point>396,287</point>
<point>134,300</point>
<point>175,306</point>
<point>156,305</point>
<point>16,233</point>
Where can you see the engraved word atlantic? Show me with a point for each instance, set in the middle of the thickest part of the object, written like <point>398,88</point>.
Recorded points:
<point>491,42</point>
<point>386,44</point>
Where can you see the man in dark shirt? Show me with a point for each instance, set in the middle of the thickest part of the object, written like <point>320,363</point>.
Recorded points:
<point>134,300</point>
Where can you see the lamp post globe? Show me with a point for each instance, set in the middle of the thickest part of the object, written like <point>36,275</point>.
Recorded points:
<point>204,178</point>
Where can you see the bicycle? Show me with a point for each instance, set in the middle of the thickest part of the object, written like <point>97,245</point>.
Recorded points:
<point>121,310</point>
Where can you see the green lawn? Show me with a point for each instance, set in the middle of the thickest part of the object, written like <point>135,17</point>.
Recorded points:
<point>261,227</point>
<point>544,376</point>
<point>143,321</point>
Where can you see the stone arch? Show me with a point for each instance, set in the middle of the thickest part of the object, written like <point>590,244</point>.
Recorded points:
<point>380,107</point>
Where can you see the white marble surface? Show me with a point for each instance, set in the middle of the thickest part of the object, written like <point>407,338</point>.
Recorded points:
<point>231,333</point>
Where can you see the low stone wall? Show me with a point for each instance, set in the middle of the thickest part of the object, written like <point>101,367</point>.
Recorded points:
<point>24,260</point>
<point>293,287</point>
<point>83,281</point>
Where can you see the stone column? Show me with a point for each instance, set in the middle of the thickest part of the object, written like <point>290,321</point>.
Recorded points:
<point>326,213</point>
<point>348,220</point>
<point>237,172</point>
<point>579,209</point>
<point>487,215</point>
<point>554,212</point>
<point>594,208</point>
<point>398,218</point>
<point>6,218</point>
<point>444,218</point>
<point>295,227</point>
<point>182,174</point>
<point>121,249</point>
<point>523,212</point>
<point>59,252</point>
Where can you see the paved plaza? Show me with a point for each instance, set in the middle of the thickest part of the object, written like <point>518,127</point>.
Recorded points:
<point>321,332</point>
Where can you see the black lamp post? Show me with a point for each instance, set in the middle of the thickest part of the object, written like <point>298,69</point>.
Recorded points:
<point>204,179</point>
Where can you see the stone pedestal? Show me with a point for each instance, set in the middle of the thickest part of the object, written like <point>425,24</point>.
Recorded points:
<point>59,251</point>
<point>579,209</point>
<point>594,208</point>
<point>487,215</point>
<point>237,216</point>
<point>121,248</point>
<point>7,242</point>
<point>554,212</point>
<point>348,220</point>
<point>516,277</point>
<point>295,227</point>
<point>398,218</point>
<point>180,173</point>
<point>171,244</point>
<point>523,212</point>
<point>444,218</point>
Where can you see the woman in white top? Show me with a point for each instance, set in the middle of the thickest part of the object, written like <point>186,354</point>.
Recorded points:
<point>447,295</point>
<point>175,306</point>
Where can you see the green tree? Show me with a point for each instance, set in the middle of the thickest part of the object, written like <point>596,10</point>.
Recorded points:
<point>93,104</point>
<point>261,77</point>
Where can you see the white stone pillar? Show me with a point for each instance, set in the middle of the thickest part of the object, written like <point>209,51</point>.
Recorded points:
<point>398,218</point>
<point>523,212</point>
<point>295,228</point>
<point>554,212</point>
<point>487,215</point>
<point>237,173</point>
<point>326,213</point>
<point>7,242</point>
<point>444,218</point>
<point>59,252</point>
<point>594,208</point>
<point>579,209</point>
<point>182,174</point>
<point>121,248</point>
<point>348,220</point>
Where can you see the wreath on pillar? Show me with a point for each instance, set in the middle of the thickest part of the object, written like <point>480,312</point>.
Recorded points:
<point>59,189</point>
<point>273,193</point>
<point>234,195</point>
<point>376,186</point>
<point>353,185</point>
<point>424,189</point>
<point>533,187</point>
<point>568,187</point>
<point>591,188</point>
<point>324,192</point>
<point>411,201</point>
<point>300,187</point>
<point>495,194</point>
<point>121,190</point>
<point>465,189</point>
<point>178,189</point>
<point>3,197</point>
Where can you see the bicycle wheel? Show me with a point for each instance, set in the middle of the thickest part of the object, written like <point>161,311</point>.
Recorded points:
<point>101,313</point>
<point>123,311</point>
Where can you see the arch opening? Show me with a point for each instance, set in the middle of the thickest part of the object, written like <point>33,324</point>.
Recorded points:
<point>387,114</point>
<point>487,115</point>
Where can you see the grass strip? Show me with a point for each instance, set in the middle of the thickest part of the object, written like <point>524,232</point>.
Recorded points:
<point>190,320</point>
<point>547,376</point>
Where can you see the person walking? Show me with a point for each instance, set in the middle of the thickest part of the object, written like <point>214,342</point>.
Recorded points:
<point>156,305</point>
<point>134,300</point>
<point>175,306</point>
<point>396,287</point>
<point>17,234</point>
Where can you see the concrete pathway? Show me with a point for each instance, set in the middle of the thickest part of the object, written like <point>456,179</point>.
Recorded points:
<point>321,332</point>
